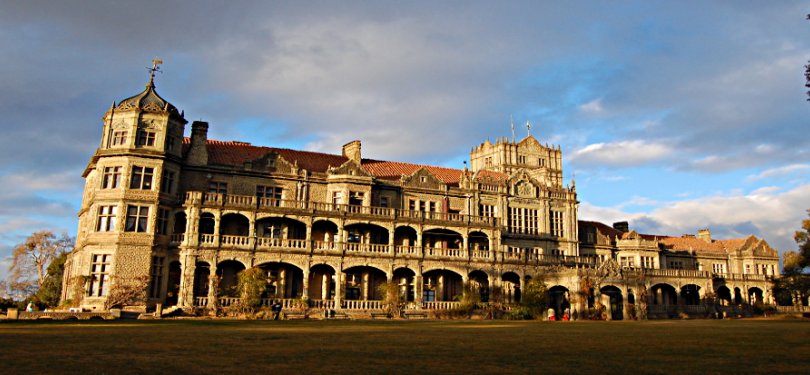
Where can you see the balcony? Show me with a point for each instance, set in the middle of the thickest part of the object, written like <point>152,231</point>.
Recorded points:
<point>216,200</point>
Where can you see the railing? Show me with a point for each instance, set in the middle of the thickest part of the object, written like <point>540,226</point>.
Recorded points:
<point>441,305</point>
<point>200,301</point>
<point>362,304</point>
<point>228,301</point>
<point>449,253</point>
<point>286,303</point>
<point>793,309</point>
<point>407,250</point>
<point>675,273</point>
<point>227,240</point>
<point>323,245</point>
<point>367,248</point>
<point>263,242</point>
<point>177,238</point>
<point>322,303</point>
<point>208,239</point>
<point>252,202</point>
<point>480,254</point>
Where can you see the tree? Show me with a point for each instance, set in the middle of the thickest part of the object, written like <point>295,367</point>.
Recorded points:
<point>795,281</point>
<point>51,290</point>
<point>31,258</point>
<point>252,283</point>
<point>802,238</point>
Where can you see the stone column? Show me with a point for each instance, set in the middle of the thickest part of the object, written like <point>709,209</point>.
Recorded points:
<point>217,220</point>
<point>281,291</point>
<point>391,242</point>
<point>339,280</point>
<point>366,286</point>
<point>188,266</point>
<point>213,285</point>
<point>325,281</point>
<point>418,288</point>
<point>305,292</point>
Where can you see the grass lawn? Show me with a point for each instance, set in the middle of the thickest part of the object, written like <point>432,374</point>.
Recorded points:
<point>412,347</point>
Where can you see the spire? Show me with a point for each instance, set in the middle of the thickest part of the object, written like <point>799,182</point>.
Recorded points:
<point>155,68</point>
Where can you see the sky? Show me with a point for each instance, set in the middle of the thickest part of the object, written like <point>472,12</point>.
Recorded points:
<point>674,116</point>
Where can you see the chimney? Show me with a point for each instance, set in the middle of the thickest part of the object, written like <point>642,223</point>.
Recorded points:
<point>198,153</point>
<point>621,226</point>
<point>705,235</point>
<point>351,150</point>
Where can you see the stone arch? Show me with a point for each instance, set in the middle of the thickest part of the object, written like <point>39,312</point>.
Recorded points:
<point>202,275</point>
<point>559,300</point>
<point>442,242</point>
<point>478,240</point>
<point>755,295</point>
<point>325,231</point>
<point>284,280</point>
<point>234,224</point>
<point>511,287</point>
<point>479,281</point>
<point>173,282</point>
<point>442,285</point>
<point>321,282</point>
<point>724,295</point>
<point>405,278</point>
<point>228,273</point>
<point>363,282</point>
<point>207,223</point>
<point>405,235</point>
<point>614,303</point>
<point>663,294</point>
<point>366,233</point>
<point>690,294</point>
<point>281,228</point>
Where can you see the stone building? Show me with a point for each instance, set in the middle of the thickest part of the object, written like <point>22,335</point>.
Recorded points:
<point>189,213</point>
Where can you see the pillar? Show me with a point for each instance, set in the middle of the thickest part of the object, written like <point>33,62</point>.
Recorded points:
<point>325,281</point>
<point>186,297</point>
<point>305,292</point>
<point>281,291</point>
<point>366,285</point>
<point>339,280</point>
<point>418,288</point>
<point>213,285</point>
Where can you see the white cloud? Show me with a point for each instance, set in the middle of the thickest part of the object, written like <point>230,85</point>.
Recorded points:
<point>778,172</point>
<point>622,153</point>
<point>593,107</point>
<point>769,213</point>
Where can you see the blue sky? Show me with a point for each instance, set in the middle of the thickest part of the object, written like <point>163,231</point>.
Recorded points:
<point>672,115</point>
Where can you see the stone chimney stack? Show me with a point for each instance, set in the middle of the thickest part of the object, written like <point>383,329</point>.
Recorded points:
<point>351,151</point>
<point>198,152</point>
<point>621,226</point>
<point>705,235</point>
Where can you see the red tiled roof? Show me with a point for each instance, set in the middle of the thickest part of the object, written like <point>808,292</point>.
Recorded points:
<point>691,244</point>
<point>393,170</point>
<point>233,153</point>
<point>602,228</point>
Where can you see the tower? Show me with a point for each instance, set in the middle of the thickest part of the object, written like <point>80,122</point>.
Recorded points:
<point>130,188</point>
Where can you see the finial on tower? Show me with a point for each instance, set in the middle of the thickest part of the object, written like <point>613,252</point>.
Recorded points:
<point>529,128</point>
<point>156,62</point>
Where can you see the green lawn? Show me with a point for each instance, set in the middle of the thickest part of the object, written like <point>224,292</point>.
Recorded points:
<point>409,347</point>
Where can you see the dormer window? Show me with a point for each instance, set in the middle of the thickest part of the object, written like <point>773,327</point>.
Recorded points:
<point>423,179</point>
<point>145,138</point>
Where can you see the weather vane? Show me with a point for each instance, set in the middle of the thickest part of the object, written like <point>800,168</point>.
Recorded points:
<point>528,127</point>
<point>155,68</point>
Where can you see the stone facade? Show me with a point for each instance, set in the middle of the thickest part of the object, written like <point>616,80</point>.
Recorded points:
<point>332,228</point>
